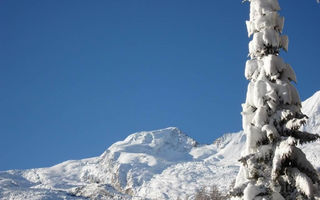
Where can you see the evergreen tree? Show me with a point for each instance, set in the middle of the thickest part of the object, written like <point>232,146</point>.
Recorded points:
<point>273,167</point>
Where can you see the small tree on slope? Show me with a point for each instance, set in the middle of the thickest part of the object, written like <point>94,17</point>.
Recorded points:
<point>273,167</point>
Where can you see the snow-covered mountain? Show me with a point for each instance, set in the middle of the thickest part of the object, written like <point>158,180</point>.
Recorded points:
<point>160,164</point>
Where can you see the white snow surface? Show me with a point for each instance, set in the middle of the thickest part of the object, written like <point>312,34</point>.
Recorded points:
<point>160,164</point>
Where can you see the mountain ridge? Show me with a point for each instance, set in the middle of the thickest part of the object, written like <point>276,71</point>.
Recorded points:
<point>159,164</point>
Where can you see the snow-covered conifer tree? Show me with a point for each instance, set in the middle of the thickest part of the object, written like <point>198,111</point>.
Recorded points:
<point>273,166</point>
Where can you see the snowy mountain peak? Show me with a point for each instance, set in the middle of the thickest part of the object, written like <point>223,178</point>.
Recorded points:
<point>130,164</point>
<point>311,107</point>
<point>171,136</point>
<point>224,140</point>
<point>169,144</point>
<point>159,164</point>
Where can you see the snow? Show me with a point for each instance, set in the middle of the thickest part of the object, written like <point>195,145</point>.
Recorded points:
<point>284,150</point>
<point>284,42</point>
<point>256,44</point>
<point>254,135</point>
<point>311,107</point>
<point>288,74</point>
<point>269,20</point>
<point>259,90</point>
<point>266,37</point>
<point>271,37</point>
<point>270,131</point>
<point>252,69</point>
<point>266,5</point>
<point>251,192</point>
<point>265,25</point>
<point>303,182</point>
<point>273,66</point>
<point>260,117</point>
<point>161,164</point>
<point>284,90</point>
<point>277,196</point>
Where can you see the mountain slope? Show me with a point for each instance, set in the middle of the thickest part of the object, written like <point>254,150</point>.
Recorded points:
<point>160,164</point>
<point>311,107</point>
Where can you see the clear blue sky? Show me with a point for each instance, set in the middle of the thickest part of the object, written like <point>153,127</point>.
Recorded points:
<point>78,75</point>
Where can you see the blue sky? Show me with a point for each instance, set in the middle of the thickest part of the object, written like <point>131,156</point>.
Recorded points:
<point>77,76</point>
